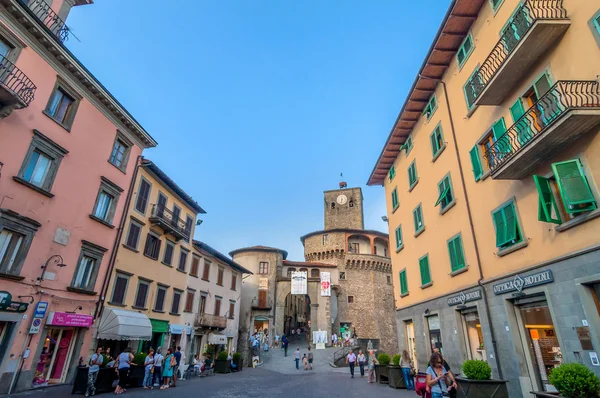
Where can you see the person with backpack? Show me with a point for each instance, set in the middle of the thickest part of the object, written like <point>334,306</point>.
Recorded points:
<point>95,361</point>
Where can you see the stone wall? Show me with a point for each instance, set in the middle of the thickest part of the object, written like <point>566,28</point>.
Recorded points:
<point>347,215</point>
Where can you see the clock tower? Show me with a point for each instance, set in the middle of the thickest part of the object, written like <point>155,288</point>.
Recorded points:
<point>344,209</point>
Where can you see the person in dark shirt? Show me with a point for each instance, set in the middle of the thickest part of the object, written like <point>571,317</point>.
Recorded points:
<point>177,356</point>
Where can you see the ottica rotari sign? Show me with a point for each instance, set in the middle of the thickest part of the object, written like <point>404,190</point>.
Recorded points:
<point>463,297</point>
<point>523,282</point>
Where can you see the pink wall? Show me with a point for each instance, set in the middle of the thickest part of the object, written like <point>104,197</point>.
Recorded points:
<point>75,188</point>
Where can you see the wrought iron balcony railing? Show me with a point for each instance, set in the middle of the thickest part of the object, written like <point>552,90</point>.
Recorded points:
<point>16,83</point>
<point>516,29</point>
<point>564,96</point>
<point>49,18</point>
<point>169,222</point>
<point>210,321</point>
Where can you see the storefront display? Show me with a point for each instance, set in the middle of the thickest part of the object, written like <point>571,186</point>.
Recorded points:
<point>473,334</point>
<point>55,357</point>
<point>434,332</point>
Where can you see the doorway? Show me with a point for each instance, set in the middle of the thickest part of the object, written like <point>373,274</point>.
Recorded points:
<point>55,358</point>
<point>410,342</point>
<point>435,335</point>
<point>472,334</point>
<point>540,343</point>
<point>297,314</point>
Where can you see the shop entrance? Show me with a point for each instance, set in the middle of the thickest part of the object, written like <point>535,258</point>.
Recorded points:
<point>410,342</point>
<point>55,357</point>
<point>435,335</point>
<point>539,340</point>
<point>472,334</point>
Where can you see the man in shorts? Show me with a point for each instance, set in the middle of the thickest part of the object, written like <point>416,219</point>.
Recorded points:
<point>310,358</point>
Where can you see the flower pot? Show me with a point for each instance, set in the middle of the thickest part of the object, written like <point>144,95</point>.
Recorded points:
<point>381,374</point>
<point>467,388</point>
<point>222,366</point>
<point>239,364</point>
<point>396,377</point>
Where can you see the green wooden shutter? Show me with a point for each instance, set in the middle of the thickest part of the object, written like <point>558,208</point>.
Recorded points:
<point>500,225</point>
<point>434,148</point>
<point>524,132</point>
<point>458,250</point>
<point>476,163</point>
<point>546,201</point>
<point>452,252</point>
<point>499,128</point>
<point>395,198</point>
<point>424,268</point>
<point>597,23</point>
<point>415,219</point>
<point>403,283</point>
<point>443,194</point>
<point>573,186</point>
<point>511,223</point>
<point>542,85</point>
<point>392,173</point>
<point>398,237</point>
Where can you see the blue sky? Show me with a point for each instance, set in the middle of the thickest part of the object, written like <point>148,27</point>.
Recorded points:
<point>258,106</point>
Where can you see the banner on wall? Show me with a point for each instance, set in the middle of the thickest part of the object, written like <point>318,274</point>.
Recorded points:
<point>326,284</point>
<point>299,282</point>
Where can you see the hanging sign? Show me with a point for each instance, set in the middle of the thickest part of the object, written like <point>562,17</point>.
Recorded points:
<point>463,297</point>
<point>263,284</point>
<point>6,303</point>
<point>325,284</point>
<point>523,282</point>
<point>39,314</point>
<point>299,282</point>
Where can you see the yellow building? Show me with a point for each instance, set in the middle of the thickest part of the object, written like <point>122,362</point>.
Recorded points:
<point>148,282</point>
<point>492,177</point>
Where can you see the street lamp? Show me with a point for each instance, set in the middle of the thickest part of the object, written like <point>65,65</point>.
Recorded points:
<point>384,218</point>
<point>56,260</point>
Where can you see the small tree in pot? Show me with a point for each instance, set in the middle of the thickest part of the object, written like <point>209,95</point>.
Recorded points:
<point>237,361</point>
<point>573,380</point>
<point>222,364</point>
<point>395,376</point>
<point>478,382</point>
<point>381,370</point>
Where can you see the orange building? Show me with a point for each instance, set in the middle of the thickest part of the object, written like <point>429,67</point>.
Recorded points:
<point>492,174</point>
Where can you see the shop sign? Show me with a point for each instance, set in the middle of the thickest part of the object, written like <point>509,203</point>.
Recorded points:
<point>523,282</point>
<point>217,339</point>
<point>463,297</point>
<point>38,315</point>
<point>299,282</point>
<point>263,284</point>
<point>326,284</point>
<point>66,319</point>
<point>6,303</point>
<point>178,329</point>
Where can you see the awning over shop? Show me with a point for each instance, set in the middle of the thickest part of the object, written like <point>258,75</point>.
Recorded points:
<point>118,324</point>
<point>217,339</point>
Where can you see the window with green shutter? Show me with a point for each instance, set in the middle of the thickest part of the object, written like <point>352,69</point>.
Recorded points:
<point>457,255</point>
<point>472,88</point>
<point>547,208</point>
<point>418,219</point>
<point>573,186</point>
<point>596,23</point>
<point>392,173</point>
<point>394,199</point>
<point>446,195</point>
<point>403,283</point>
<point>412,175</point>
<point>464,50</point>
<point>399,244</point>
<point>508,231</point>
<point>437,141</point>
<point>431,107</point>
<point>496,4</point>
<point>409,144</point>
<point>424,268</point>
<point>476,162</point>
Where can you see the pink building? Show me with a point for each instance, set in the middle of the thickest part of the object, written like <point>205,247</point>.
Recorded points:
<point>68,151</point>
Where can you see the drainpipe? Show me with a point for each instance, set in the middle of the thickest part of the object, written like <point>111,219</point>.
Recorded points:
<point>115,248</point>
<point>478,257</point>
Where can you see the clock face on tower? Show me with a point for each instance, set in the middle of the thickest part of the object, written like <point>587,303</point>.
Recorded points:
<point>342,199</point>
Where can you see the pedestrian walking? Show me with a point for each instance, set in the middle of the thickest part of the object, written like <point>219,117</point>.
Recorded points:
<point>158,365</point>
<point>177,356</point>
<point>297,357</point>
<point>351,361</point>
<point>95,361</point>
<point>170,363</point>
<point>148,370</point>
<point>361,362</point>
<point>305,361</point>
<point>452,391</point>
<point>276,343</point>
<point>407,371</point>
<point>437,377</point>
<point>284,344</point>
<point>310,358</point>
<point>372,363</point>
<point>123,366</point>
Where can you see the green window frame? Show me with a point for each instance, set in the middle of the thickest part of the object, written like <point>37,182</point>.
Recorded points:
<point>446,193</point>
<point>465,50</point>
<point>431,107</point>
<point>425,270</point>
<point>469,93</point>
<point>399,243</point>
<point>418,219</point>
<point>506,223</point>
<point>547,203</point>
<point>476,162</point>
<point>496,4</point>
<point>573,187</point>
<point>596,23</point>
<point>392,173</point>
<point>456,252</point>
<point>403,283</point>
<point>437,141</point>
<point>413,178</point>
<point>395,199</point>
<point>409,145</point>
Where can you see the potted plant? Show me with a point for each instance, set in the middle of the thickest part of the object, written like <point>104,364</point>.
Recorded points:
<point>222,364</point>
<point>395,376</point>
<point>572,380</point>
<point>137,371</point>
<point>478,382</point>
<point>238,361</point>
<point>381,370</point>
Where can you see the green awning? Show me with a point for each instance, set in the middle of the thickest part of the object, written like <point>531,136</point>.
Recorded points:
<point>159,326</point>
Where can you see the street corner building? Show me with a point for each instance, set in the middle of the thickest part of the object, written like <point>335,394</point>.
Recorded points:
<point>68,150</point>
<point>491,177</point>
<point>346,274</point>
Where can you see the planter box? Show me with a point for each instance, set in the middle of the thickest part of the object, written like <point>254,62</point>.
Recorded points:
<point>395,377</point>
<point>136,375</point>
<point>222,366</point>
<point>467,388</point>
<point>104,382</point>
<point>239,364</point>
<point>544,394</point>
<point>381,374</point>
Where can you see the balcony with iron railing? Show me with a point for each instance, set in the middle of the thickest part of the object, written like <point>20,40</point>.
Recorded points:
<point>46,15</point>
<point>566,112</point>
<point>168,222</point>
<point>532,30</point>
<point>261,304</point>
<point>210,321</point>
<point>16,89</point>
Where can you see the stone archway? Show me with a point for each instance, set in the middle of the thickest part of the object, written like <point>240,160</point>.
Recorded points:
<point>297,313</point>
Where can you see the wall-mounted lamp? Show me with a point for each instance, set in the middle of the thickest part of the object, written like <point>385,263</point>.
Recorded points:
<point>427,311</point>
<point>78,308</point>
<point>56,260</point>
<point>199,222</point>
<point>384,218</point>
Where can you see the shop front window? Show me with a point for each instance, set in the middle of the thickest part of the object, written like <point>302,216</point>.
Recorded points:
<point>55,357</point>
<point>473,334</point>
<point>434,332</point>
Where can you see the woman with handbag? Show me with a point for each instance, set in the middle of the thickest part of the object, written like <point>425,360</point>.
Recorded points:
<point>437,377</point>
<point>149,370</point>
<point>168,366</point>
<point>407,370</point>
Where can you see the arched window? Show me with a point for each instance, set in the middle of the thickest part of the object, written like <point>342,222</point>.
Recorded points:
<point>314,273</point>
<point>333,205</point>
<point>289,272</point>
<point>303,269</point>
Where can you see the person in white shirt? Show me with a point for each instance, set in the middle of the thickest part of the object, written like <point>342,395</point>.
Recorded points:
<point>158,363</point>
